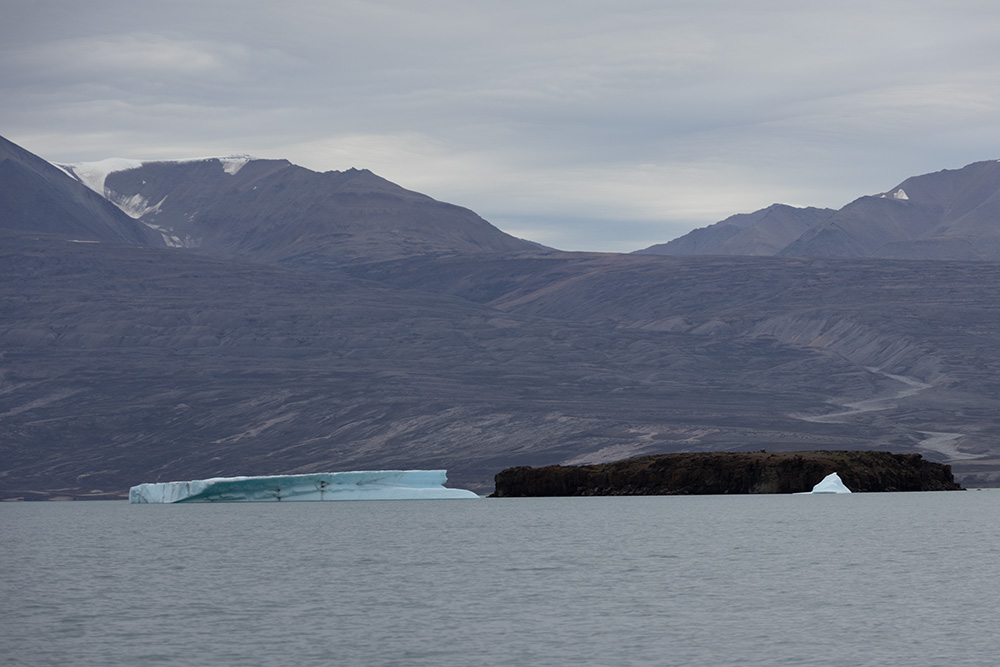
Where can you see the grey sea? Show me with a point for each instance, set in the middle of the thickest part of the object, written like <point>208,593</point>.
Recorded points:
<point>873,579</point>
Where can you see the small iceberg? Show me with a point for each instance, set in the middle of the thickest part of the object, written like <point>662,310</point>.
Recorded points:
<point>829,484</point>
<point>321,486</point>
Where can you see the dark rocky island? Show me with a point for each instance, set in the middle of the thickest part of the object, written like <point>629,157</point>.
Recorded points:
<point>729,472</point>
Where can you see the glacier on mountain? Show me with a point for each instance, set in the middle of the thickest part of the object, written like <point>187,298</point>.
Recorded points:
<point>322,486</point>
<point>234,163</point>
<point>93,174</point>
<point>136,206</point>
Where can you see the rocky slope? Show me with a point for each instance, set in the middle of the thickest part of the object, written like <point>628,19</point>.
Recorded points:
<point>38,198</point>
<point>125,364</point>
<point>723,473</point>
<point>925,335</point>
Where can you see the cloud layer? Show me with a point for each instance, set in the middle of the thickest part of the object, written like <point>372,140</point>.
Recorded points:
<point>591,126</point>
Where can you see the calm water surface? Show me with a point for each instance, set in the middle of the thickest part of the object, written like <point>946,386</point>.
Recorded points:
<point>877,579</point>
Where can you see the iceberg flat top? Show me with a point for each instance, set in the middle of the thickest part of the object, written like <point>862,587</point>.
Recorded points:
<point>322,486</point>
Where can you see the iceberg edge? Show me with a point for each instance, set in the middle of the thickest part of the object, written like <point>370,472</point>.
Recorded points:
<point>830,484</point>
<point>321,486</point>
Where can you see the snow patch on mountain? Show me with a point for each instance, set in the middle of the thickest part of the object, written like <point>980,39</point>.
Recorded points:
<point>899,194</point>
<point>93,174</point>
<point>170,238</point>
<point>230,163</point>
<point>234,163</point>
<point>135,206</point>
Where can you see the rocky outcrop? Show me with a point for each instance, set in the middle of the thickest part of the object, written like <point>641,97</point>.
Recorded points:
<point>729,472</point>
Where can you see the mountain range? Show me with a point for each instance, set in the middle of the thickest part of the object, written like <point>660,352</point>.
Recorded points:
<point>222,316</point>
<point>950,214</point>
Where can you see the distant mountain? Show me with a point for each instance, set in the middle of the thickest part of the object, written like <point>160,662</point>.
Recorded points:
<point>275,212</point>
<point>950,214</point>
<point>764,232</point>
<point>38,198</point>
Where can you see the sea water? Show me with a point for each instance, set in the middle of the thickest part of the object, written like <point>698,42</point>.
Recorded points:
<point>865,579</point>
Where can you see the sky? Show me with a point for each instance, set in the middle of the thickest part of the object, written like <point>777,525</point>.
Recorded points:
<point>589,125</point>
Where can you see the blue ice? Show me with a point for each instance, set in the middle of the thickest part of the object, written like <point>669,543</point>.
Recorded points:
<point>356,485</point>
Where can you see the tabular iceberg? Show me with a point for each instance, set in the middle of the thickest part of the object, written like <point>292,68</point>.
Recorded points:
<point>829,484</point>
<point>356,485</point>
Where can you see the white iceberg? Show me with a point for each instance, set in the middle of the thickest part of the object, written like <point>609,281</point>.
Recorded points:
<point>829,484</point>
<point>356,485</point>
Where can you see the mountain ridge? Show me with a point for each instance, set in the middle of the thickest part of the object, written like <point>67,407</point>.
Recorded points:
<point>948,214</point>
<point>761,233</point>
<point>279,213</point>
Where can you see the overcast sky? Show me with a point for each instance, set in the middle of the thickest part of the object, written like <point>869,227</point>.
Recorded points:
<point>586,125</point>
